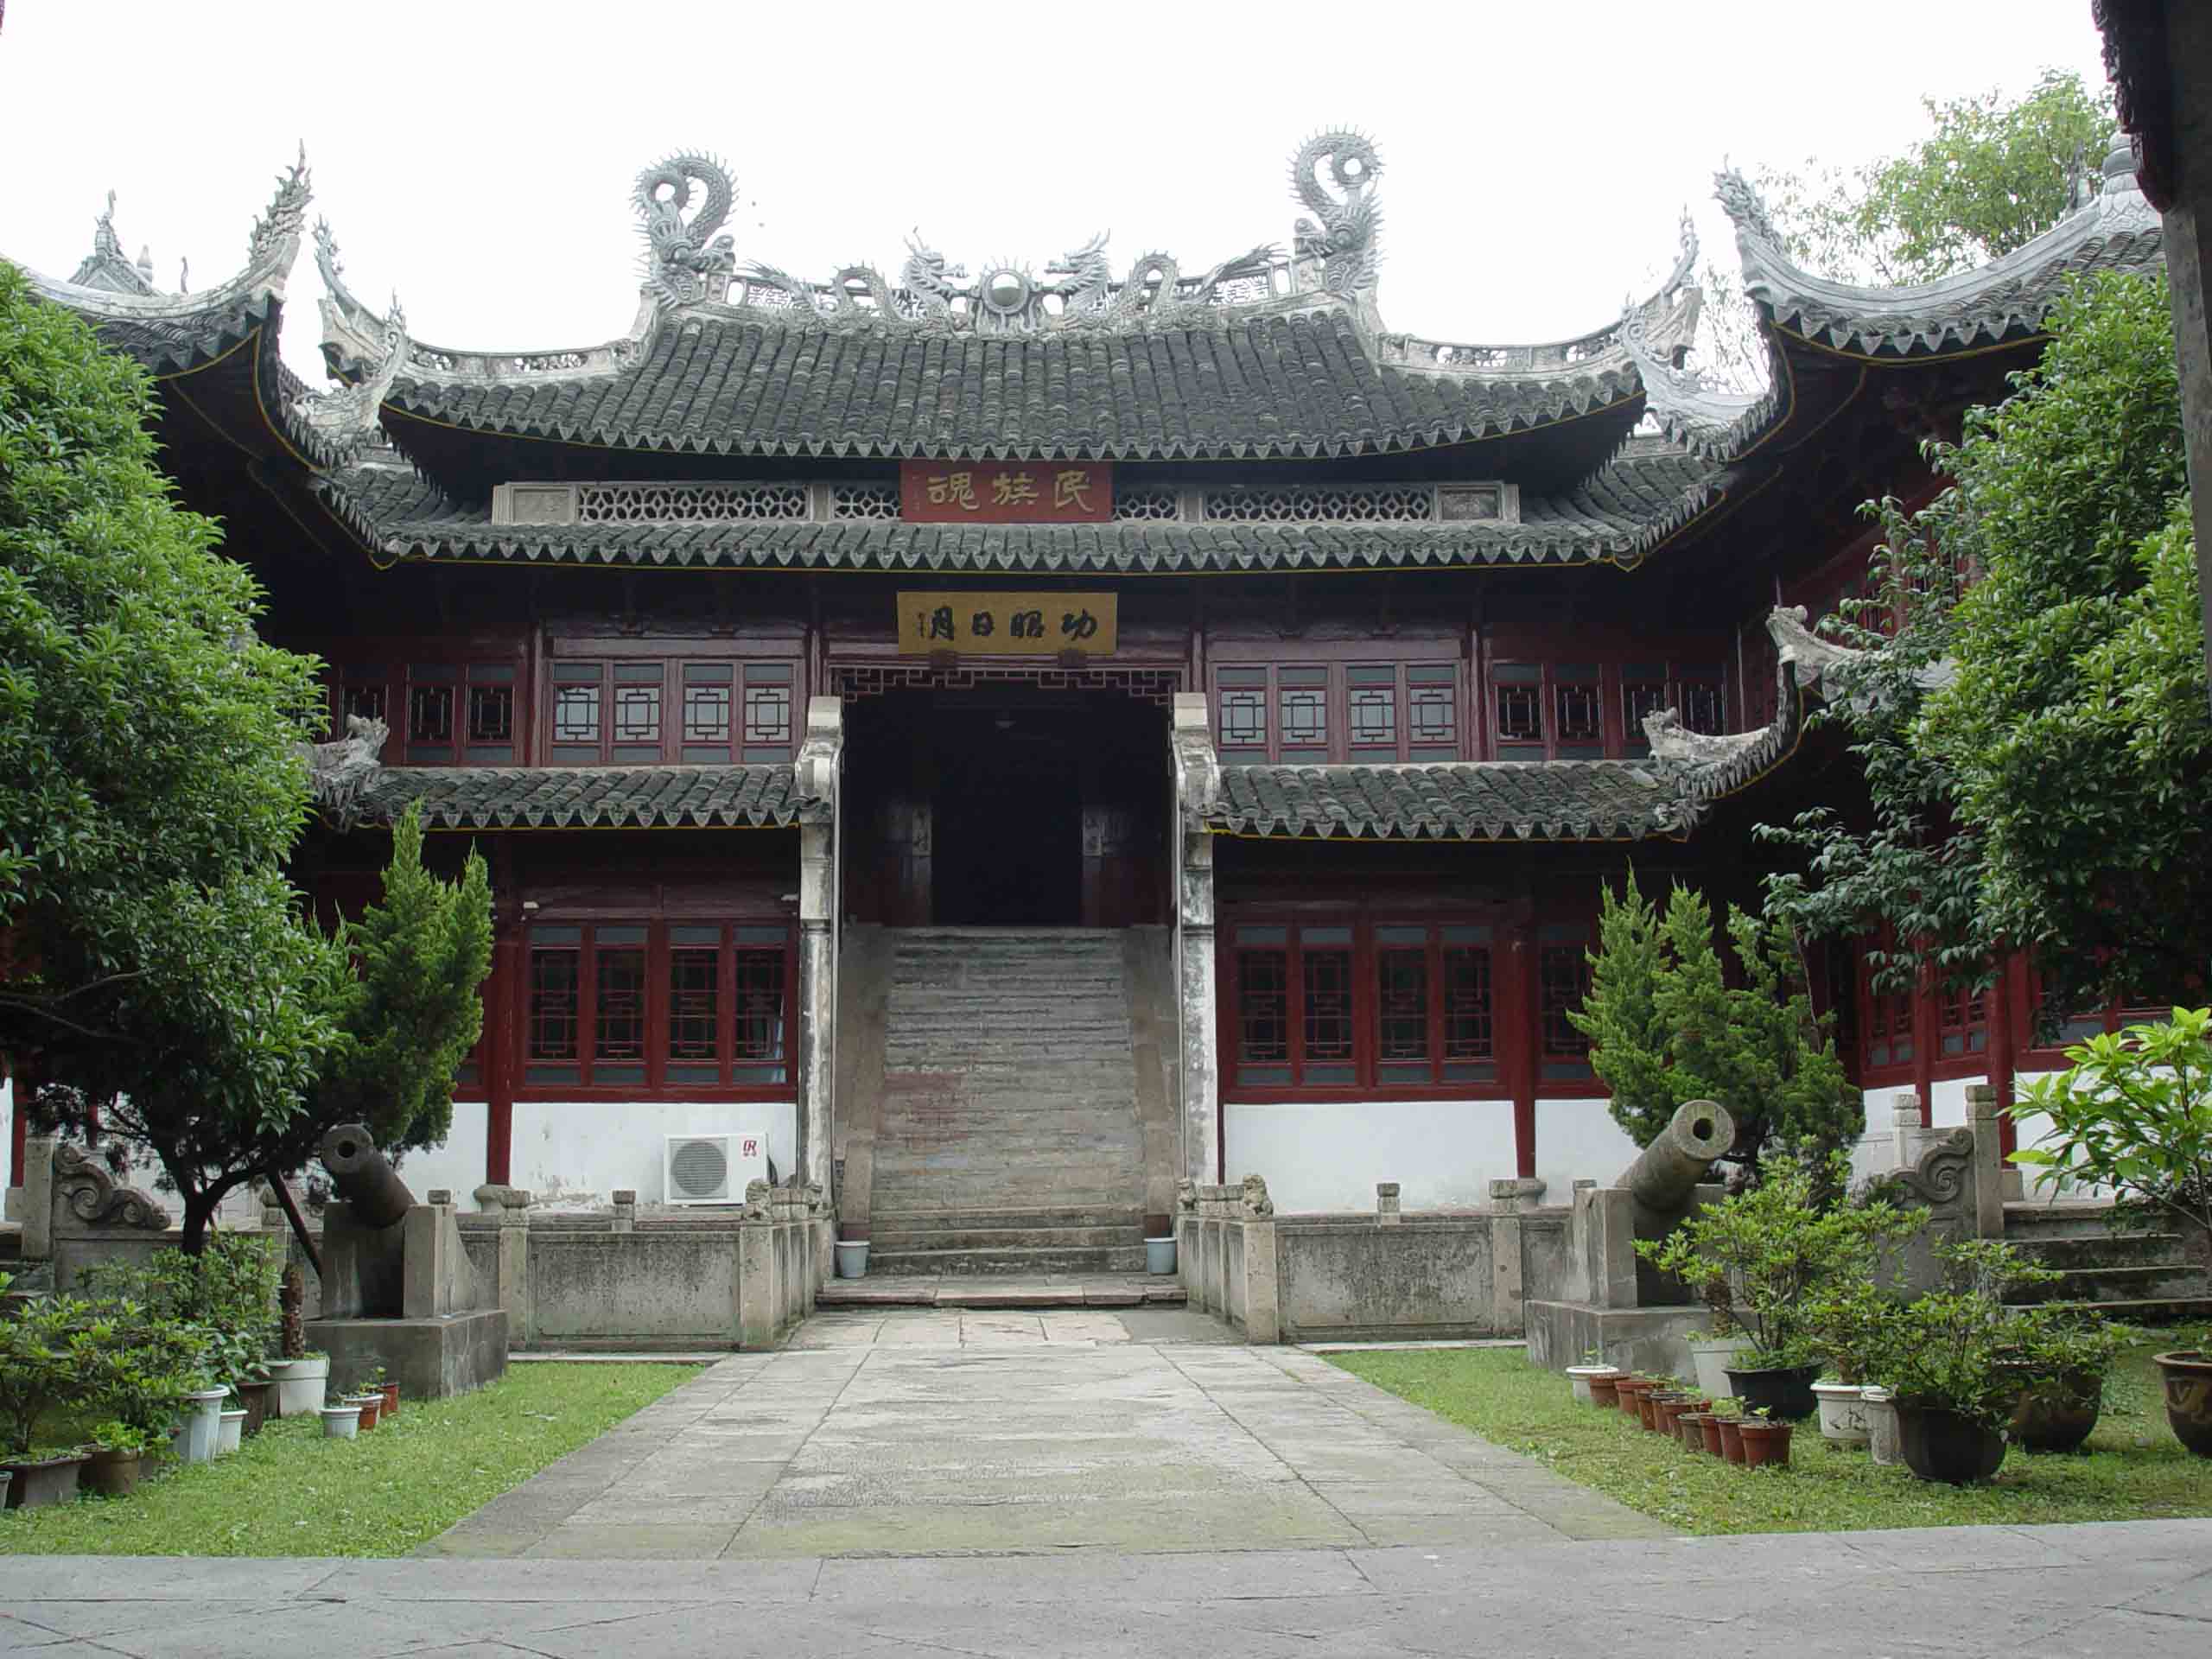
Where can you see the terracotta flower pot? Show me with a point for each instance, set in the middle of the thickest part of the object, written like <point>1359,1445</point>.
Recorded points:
<point>1708,1426</point>
<point>1629,1389</point>
<point>2188,1376</point>
<point>372,1405</point>
<point>1601,1392</point>
<point>1764,1442</point>
<point>390,1391</point>
<point>1647,1407</point>
<point>1940,1444</point>
<point>1691,1427</point>
<point>1732,1438</point>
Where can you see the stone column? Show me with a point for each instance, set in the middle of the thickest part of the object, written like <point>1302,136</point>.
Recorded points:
<point>1386,1212</point>
<point>1507,1199</point>
<point>1984,1117</point>
<point>625,1210</point>
<point>820,760</point>
<point>38,1197</point>
<point>1198,778</point>
<point>758,1298</point>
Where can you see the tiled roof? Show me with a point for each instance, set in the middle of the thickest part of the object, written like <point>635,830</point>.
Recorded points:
<point>2009,298</point>
<point>564,798</point>
<point>1619,514</point>
<point>1565,800</point>
<point>728,382</point>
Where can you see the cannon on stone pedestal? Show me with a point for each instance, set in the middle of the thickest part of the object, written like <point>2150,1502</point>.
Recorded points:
<point>1664,1179</point>
<point>397,1288</point>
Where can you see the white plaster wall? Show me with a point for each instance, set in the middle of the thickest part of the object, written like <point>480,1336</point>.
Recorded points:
<point>1328,1156</point>
<point>1577,1140</point>
<point>7,1149</point>
<point>575,1154</point>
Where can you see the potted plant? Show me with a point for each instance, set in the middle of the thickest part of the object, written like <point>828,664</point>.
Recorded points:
<point>2060,1356</point>
<point>1945,1366</point>
<point>300,1376</point>
<point>2187,1373</point>
<point>118,1452</point>
<point>1879,1409</point>
<point>1732,1437</point>
<point>1593,1366</point>
<point>48,1348</point>
<point>1602,1384</point>
<point>1628,1390</point>
<point>1765,1441</point>
<point>341,1421</point>
<point>1777,1247</point>
<point>369,1402</point>
<point>389,1391</point>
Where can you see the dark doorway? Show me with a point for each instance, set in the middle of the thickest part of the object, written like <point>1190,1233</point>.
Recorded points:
<point>1006,806</point>
<point>1008,812</point>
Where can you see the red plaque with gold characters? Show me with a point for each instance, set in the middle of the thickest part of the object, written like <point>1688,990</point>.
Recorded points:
<point>1006,492</point>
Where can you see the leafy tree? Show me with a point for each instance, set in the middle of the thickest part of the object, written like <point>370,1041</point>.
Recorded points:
<point>403,1020</point>
<point>2036,740</point>
<point>158,965</point>
<point>1666,1027</point>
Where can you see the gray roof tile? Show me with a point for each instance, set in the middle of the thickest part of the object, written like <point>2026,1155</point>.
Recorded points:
<point>562,798</point>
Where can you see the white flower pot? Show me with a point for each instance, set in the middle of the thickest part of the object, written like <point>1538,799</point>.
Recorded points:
<point>852,1258</point>
<point>300,1385</point>
<point>340,1422</point>
<point>1710,1355</point>
<point>203,1422</point>
<point>1880,1412</point>
<point>1580,1375</point>
<point>229,1428</point>
<point>1843,1414</point>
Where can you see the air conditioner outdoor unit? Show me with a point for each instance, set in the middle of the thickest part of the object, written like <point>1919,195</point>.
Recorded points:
<point>712,1168</point>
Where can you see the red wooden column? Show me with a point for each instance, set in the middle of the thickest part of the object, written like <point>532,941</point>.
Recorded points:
<point>1517,986</point>
<point>503,994</point>
<point>19,1123</point>
<point>2003,1050</point>
<point>1926,1032</point>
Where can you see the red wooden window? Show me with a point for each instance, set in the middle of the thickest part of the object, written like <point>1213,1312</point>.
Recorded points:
<point>631,712</point>
<point>1595,710</point>
<point>1563,982</point>
<point>1359,1007</point>
<point>1886,1037</point>
<point>1331,713</point>
<point>1961,1024</point>
<point>684,1009</point>
<point>440,714</point>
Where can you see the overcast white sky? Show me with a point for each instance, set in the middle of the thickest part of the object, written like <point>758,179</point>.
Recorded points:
<point>478,155</point>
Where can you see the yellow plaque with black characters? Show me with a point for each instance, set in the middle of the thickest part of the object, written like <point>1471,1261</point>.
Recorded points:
<point>999,625</point>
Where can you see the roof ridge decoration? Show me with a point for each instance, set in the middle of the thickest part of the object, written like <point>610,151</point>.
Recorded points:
<point>105,266</point>
<point>1704,420</point>
<point>682,265</point>
<point>340,424</point>
<point>171,331</point>
<point>2008,297</point>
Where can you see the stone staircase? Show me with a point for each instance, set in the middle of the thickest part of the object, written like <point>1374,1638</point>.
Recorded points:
<point>1008,1139</point>
<point>2142,1277</point>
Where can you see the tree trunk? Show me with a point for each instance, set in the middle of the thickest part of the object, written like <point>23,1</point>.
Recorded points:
<point>199,1214</point>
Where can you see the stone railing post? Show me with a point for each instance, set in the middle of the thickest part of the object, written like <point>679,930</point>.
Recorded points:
<point>1262,1286</point>
<point>38,1197</point>
<point>514,1262</point>
<point>625,1210</point>
<point>820,765</point>
<point>1986,1119</point>
<point>1386,1204</point>
<point>758,1300</point>
<point>1507,1199</point>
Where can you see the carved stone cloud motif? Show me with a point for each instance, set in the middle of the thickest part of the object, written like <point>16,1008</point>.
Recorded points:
<point>683,200</point>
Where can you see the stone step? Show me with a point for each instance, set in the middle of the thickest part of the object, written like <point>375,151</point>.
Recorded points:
<point>923,1216</point>
<point>2035,1219</point>
<point>1001,1238</point>
<point>1119,1290</point>
<point>1128,1258</point>
<point>2112,1250</point>
<point>2151,1283</point>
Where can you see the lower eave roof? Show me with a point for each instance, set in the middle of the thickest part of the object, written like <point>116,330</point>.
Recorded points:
<point>1504,800</point>
<point>584,797</point>
<point>1619,515</point>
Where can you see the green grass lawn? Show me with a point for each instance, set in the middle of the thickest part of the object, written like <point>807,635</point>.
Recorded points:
<point>2132,1469</point>
<point>289,1491</point>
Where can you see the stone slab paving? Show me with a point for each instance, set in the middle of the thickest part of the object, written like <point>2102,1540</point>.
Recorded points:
<point>2141,1589</point>
<point>944,1432</point>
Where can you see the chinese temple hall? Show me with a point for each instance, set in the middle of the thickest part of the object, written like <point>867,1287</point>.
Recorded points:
<point>1000,741</point>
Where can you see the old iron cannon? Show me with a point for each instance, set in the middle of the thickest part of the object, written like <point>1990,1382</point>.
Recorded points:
<point>1664,1178</point>
<point>363,1176</point>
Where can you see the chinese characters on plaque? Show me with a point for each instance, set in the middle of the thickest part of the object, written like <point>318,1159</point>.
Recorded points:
<point>1006,492</point>
<point>997,625</point>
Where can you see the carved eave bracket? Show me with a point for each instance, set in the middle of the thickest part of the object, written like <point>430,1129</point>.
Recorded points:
<point>94,1196</point>
<point>340,424</point>
<point>1829,669</point>
<point>1198,765</point>
<point>340,773</point>
<point>821,755</point>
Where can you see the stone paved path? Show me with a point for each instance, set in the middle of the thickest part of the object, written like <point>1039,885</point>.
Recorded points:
<point>2135,1589</point>
<point>945,1432</point>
